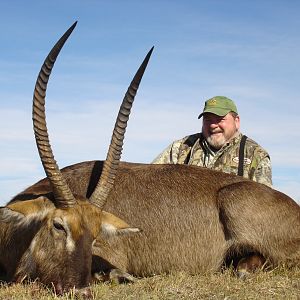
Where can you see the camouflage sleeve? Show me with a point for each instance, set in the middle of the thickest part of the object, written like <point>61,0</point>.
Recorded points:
<point>169,155</point>
<point>263,172</point>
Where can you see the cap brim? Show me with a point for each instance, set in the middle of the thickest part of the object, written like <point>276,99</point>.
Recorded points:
<point>221,112</point>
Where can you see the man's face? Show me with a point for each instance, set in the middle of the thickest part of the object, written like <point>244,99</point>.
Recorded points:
<point>219,130</point>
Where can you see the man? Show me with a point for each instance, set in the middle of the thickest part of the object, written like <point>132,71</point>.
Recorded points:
<point>220,145</point>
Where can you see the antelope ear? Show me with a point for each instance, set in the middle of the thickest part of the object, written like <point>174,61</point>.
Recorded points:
<point>26,210</point>
<point>8,215</point>
<point>112,225</point>
<point>32,207</point>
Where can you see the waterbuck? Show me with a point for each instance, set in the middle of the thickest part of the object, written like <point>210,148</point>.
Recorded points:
<point>50,235</point>
<point>191,219</point>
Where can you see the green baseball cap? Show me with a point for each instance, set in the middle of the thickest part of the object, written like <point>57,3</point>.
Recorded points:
<point>219,105</point>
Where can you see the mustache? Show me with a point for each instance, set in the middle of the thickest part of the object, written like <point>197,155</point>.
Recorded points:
<point>216,131</point>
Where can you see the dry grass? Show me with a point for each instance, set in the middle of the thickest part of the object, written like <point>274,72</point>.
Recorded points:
<point>280,283</point>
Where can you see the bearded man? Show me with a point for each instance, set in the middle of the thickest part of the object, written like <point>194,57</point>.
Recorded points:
<point>220,145</point>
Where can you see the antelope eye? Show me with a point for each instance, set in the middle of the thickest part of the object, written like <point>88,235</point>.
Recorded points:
<point>57,225</point>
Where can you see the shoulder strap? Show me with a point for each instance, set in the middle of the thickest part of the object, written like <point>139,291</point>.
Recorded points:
<point>242,155</point>
<point>186,147</point>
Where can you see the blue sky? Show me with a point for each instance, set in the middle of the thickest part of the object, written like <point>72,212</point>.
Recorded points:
<point>245,50</point>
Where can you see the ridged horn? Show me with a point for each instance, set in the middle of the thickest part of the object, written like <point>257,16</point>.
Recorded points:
<point>62,193</point>
<point>111,163</point>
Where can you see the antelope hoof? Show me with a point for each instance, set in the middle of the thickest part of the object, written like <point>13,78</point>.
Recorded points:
<point>250,264</point>
<point>116,276</point>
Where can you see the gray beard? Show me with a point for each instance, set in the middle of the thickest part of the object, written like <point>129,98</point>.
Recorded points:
<point>220,142</point>
<point>216,143</point>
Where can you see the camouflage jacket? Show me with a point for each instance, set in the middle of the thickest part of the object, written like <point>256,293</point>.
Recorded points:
<point>194,150</point>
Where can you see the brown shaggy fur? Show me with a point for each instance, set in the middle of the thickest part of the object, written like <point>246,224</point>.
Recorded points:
<point>192,218</point>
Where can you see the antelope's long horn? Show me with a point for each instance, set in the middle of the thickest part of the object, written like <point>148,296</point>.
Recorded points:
<point>62,193</point>
<point>111,163</point>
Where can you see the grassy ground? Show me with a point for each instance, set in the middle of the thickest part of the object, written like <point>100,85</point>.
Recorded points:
<point>277,284</point>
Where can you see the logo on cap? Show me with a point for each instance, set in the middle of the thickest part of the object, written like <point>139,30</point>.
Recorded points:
<point>212,102</point>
